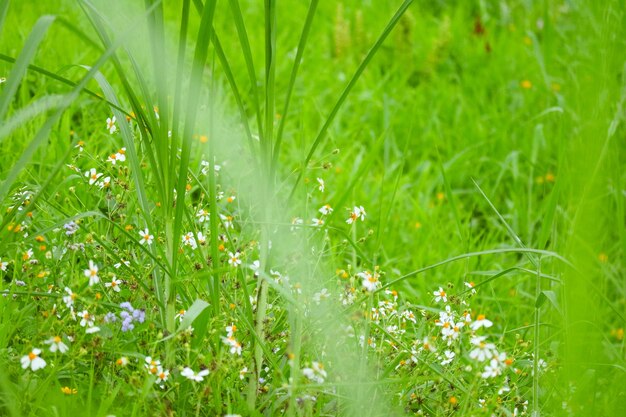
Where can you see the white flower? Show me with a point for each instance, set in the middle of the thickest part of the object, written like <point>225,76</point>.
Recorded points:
<point>317,222</point>
<point>122,361</point>
<point>448,356</point>
<point>190,240</point>
<point>56,343</point>
<point>483,350</point>
<point>451,331</point>
<point>295,222</point>
<point>492,370</point>
<point>193,376</point>
<point>408,315</point>
<point>326,209</point>
<point>152,365</point>
<point>201,238</point>
<point>255,267</point>
<point>230,330</point>
<point>440,295</point>
<point>33,360</point>
<point>481,321</point>
<point>114,284</point>
<point>466,317</point>
<point>319,296</point>
<point>117,265</point>
<point>321,185</point>
<point>233,259</point>
<point>315,373</point>
<point>203,215</point>
<point>86,320</point>
<point>243,372</point>
<point>426,345</point>
<point>370,282</point>
<point>235,346</point>
<point>470,285</point>
<point>227,221</point>
<point>446,316</point>
<point>93,175</point>
<point>3,265</point>
<point>162,375</point>
<point>121,155</point>
<point>112,159</point>
<point>27,255</point>
<point>111,125</point>
<point>146,237</point>
<point>105,183</point>
<point>69,299</point>
<point>355,214</point>
<point>92,273</point>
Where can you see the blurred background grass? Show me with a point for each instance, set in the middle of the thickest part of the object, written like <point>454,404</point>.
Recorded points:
<point>524,97</point>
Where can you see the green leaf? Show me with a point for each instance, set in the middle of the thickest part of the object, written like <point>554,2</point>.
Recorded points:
<point>21,65</point>
<point>192,313</point>
<point>548,296</point>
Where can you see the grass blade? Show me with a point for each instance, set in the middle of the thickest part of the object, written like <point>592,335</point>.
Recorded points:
<point>21,64</point>
<point>344,95</point>
<point>247,54</point>
<point>292,81</point>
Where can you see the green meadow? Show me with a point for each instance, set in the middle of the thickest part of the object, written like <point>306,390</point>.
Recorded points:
<point>312,208</point>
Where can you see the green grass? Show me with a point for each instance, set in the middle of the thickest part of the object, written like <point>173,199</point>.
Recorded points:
<point>484,140</point>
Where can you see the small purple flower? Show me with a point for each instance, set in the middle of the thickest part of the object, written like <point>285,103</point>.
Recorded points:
<point>70,228</point>
<point>110,318</point>
<point>127,306</point>
<point>139,315</point>
<point>127,324</point>
<point>130,315</point>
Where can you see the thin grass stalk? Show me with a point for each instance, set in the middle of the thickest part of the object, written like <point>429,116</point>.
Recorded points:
<point>4,8</point>
<point>205,34</point>
<point>247,54</point>
<point>214,284</point>
<point>42,134</point>
<point>266,160</point>
<point>18,216</point>
<point>20,67</point>
<point>270,76</point>
<point>471,255</point>
<point>296,341</point>
<point>161,126</point>
<point>536,411</point>
<point>221,56</point>
<point>63,80</point>
<point>304,37</point>
<point>344,95</point>
<point>142,119</point>
<point>178,83</point>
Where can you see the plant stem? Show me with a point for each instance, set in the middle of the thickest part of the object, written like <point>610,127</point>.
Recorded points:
<point>536,343</point>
